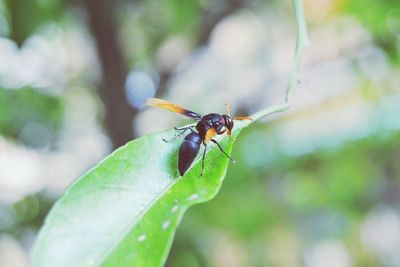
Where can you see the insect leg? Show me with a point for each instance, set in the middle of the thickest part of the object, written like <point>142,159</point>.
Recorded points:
<point>203,158</point>
<point>181,132</point>
<point>220,148</point>
<point>180,129</point>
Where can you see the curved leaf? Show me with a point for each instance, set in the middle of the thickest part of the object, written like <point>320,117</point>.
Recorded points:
<point>126,209</point>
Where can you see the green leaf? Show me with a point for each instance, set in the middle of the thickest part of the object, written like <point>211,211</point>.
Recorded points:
<point>124,212</point>
<point>126,209</point>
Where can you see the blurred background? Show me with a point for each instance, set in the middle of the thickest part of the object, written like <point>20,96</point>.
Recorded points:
<point>317,186</point>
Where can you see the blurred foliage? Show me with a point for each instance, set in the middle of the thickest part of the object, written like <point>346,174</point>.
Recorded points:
<point>29,116</point>
<point>167,18</point>
<point>382,19</point>
<point>29,214</point>
<point>183,16</point>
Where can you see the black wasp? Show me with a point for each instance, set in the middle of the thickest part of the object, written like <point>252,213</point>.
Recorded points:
<point>206,129</point>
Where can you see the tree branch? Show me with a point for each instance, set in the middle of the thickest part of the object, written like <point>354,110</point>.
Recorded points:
<point>119,114</point>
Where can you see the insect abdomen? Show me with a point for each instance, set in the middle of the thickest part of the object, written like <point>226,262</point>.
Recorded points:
<point>188,152</point>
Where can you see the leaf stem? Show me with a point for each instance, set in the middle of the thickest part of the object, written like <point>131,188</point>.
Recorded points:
<point>301,42</point>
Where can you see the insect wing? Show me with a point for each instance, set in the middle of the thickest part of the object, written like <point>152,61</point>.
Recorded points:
<point>160,103</point>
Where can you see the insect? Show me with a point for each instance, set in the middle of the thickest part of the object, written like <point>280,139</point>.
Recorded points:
<point>207,127</point>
